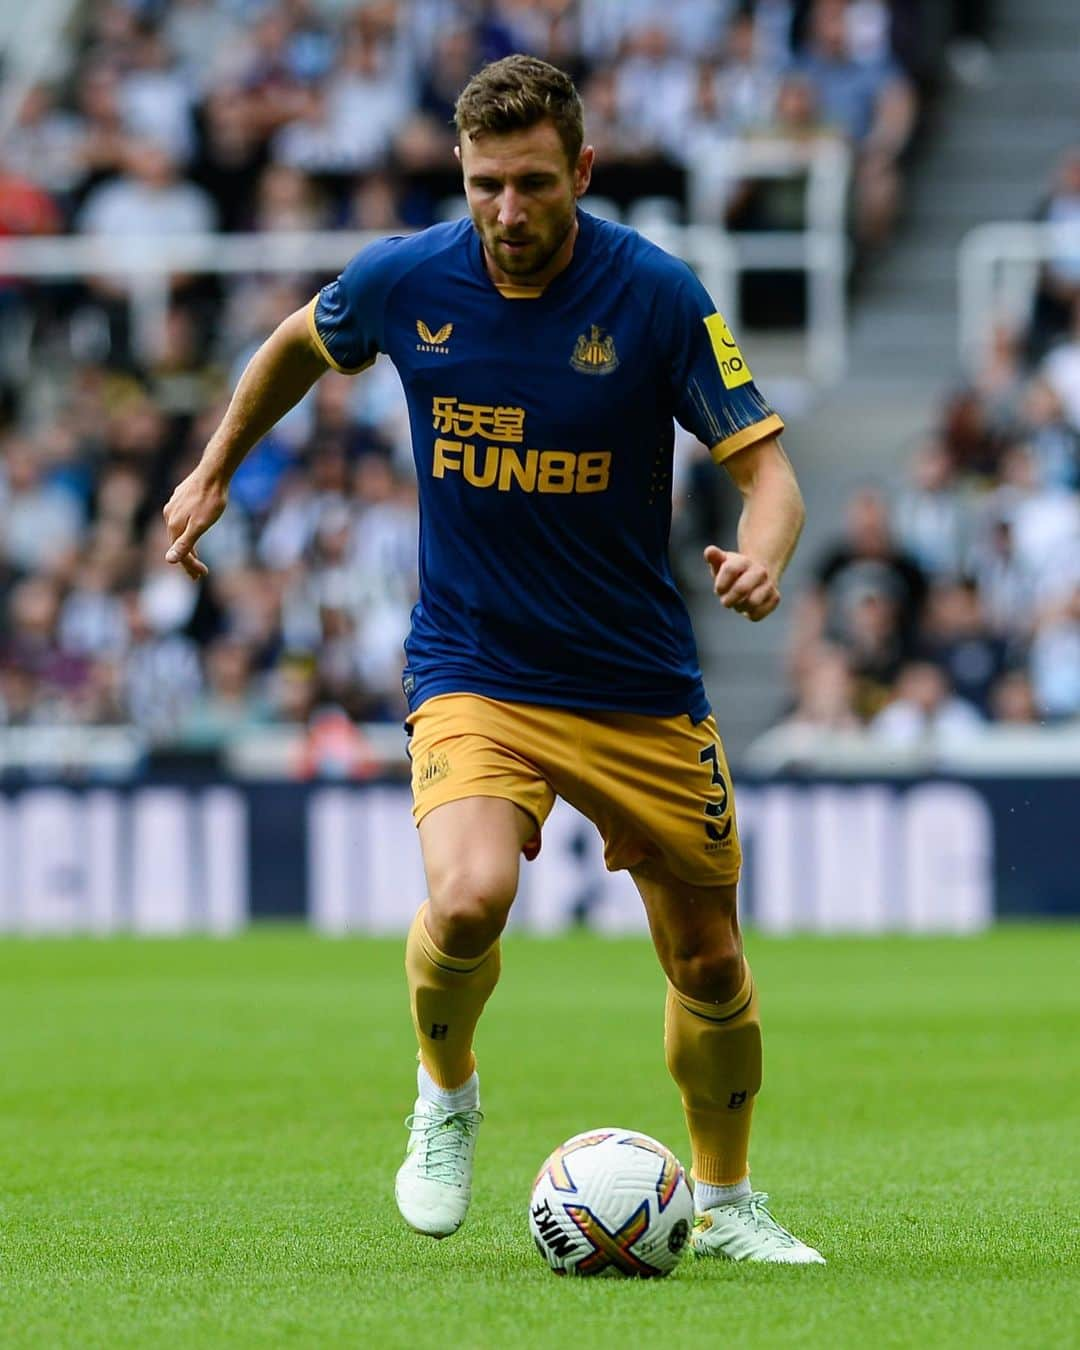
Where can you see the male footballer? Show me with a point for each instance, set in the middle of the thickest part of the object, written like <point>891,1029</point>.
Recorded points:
<point>545,355</point>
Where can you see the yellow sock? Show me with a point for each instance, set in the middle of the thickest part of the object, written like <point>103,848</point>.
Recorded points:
<point>447,995</point>
<point>714,1054</point>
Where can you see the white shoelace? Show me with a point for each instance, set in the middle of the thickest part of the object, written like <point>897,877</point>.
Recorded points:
<point>442,1156</point>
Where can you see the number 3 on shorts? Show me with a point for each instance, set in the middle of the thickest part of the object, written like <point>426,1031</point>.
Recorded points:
<point>716,810</point>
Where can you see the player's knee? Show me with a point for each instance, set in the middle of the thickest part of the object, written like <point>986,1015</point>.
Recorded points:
<point>468,904</point>
<point>712,971</point>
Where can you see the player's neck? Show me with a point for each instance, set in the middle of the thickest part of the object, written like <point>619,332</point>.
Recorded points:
<point>558,262</point>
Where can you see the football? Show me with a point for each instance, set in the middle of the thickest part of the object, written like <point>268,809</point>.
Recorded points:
<point>611,1202</point>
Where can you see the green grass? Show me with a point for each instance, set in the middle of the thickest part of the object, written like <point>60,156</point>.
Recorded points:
<point>199,1141</point>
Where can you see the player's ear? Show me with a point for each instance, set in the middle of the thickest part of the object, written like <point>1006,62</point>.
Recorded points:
<point>457,153</point>
<point>583,170</point>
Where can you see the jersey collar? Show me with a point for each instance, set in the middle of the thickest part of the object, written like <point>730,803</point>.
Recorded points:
<point>582,248</point>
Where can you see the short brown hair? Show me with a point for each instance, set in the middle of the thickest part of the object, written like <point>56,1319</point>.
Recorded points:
<point>518,92</point>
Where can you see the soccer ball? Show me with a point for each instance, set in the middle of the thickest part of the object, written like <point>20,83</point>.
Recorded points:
<point>611,1202</point>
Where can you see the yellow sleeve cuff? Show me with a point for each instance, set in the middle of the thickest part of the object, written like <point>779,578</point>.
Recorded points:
<point>772,425</point>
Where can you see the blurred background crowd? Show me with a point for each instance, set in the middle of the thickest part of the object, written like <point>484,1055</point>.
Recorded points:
<point>958,599</point>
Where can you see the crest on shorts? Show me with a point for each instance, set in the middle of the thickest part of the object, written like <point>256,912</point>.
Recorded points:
<point>434,768</point>
<point>595,354</point>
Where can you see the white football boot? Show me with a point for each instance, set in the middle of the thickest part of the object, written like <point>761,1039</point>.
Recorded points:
<point>746,1231</point>
<point>434,1183</point>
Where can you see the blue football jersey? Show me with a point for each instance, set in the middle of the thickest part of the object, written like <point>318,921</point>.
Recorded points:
<point>542,427</point>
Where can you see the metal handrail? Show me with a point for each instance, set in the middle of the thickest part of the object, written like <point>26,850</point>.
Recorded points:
<point>997,271</point>
<point>145,264</point>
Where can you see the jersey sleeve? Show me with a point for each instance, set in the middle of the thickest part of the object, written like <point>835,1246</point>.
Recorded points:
<point>346,317</point>
<point>714,393</point>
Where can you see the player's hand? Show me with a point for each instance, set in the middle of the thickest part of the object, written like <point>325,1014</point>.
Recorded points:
<point>194,506</point>
<point>742,584</point>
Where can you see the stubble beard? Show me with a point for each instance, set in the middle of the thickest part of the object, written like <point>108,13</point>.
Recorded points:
<point>535,259</point>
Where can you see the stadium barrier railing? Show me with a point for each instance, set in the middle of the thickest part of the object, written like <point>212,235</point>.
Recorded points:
<point>144,265</point>
<point>997,275</point>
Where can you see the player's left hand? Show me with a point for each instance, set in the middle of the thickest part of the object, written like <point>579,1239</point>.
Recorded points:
<point>742,584</point>
<point>195,505</point>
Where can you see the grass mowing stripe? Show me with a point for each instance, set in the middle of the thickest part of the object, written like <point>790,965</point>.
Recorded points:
<point>199,1140</point>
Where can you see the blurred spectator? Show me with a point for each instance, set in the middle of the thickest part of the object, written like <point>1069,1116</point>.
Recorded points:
<point>40,523</point>
<point>871,102</point>
<point>615,140</point>
<point>1061,370</point>
<point>826,692</point>
<point>1007,588</point>
<point>1055,657</point>
<point>1054,443</point>
<point>871,629</point>
<point>1059,280</point>
<point>162,673</point>
<point>230,155</point>
<point>44,144</point>
<point>200,33</point>
<point>925,709</point>
<point>655,86</point>
<point>868,560</point>
<point>287,199</point>
<point>972,445</point>
<point>155,97</point>
<point>104,135</point>
<point>1045,522</point>
<point>745,83</point>
<point>958,639</point>
<point>824,711</point>
<point>931,513</point>
<point>228,705</point>
<point>181,384</point>
<point>1012,700</point>
<point>442,77</point>
<point>733,99</point>
<point>1000,379</point>
<point>865,96</point>
<point>144,204</point>
<point>370,96</point>
<point>92,618</point>
<point>294,689</point>
<point>25,208</point>
<point>375,204</point>
<point>771,201</point>
<point>690,26</point>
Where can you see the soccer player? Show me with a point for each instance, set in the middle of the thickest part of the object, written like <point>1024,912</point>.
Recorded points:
<point>544,355</point>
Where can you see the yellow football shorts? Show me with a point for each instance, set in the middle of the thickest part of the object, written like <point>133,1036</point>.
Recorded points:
<point>655,787</point>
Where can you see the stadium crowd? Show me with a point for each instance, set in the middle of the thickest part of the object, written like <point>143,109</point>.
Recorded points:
<point>957,599</point>
<point>263,114</point>
<point>182,116</point>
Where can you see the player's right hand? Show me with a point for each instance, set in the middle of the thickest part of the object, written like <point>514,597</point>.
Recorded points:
<point>194,506</point>
<point>742,583</point>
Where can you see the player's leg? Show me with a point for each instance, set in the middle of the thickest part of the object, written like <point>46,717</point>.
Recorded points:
<point>471,854</point>
<point>712,1040</point>
<point>660,792</point>
<point>478,805</point>
<point>712,1030</point>
<point>471,850</point>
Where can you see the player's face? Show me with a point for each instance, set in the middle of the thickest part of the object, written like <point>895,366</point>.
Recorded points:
<point>522,195</point>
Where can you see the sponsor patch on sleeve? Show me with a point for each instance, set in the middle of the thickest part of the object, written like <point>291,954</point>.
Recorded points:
<point>733,368</point>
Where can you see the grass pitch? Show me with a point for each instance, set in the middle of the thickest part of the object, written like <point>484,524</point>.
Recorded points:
<point>199,1140</point>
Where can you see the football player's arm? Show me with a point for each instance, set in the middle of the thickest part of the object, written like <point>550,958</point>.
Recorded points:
<point>276,378</point>
<point>748,581</point>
